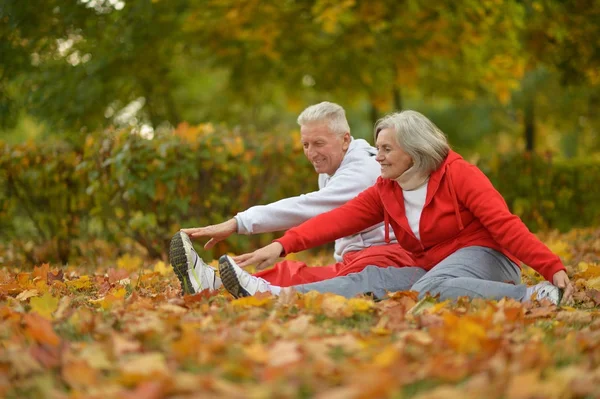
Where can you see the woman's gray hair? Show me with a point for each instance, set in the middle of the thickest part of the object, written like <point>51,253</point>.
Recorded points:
<point>331,113</point>
<point>419,137</point>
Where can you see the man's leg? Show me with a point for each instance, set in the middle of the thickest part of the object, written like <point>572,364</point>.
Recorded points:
<point>476,272</point>
<point>289,273</point>
<point>375,279</point>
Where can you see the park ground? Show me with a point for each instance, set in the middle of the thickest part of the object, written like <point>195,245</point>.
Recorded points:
<point>122,330</point>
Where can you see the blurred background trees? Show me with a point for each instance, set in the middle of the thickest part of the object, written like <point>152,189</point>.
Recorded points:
<point>518,74</point>
<point>217,85</point>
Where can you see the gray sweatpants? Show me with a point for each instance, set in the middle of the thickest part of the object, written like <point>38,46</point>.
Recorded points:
<point>477,272</point>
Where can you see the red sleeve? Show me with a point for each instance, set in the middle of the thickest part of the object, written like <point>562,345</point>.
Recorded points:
<point>477,193</point>
<point>364,211</point>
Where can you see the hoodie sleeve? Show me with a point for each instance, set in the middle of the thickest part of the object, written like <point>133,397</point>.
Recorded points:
<point>477,193</point>
<point>345,184</point>
<point>358,214</point>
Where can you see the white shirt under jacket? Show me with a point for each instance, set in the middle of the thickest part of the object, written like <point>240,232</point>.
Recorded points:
<point>358,171</point>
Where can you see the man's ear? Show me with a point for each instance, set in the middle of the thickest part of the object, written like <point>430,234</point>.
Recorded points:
<point>346,139</point>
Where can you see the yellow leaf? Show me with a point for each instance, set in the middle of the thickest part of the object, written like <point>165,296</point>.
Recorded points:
<point>335,306</point>
<point>560,248</point>
<point>130,263</point>
<point>44,305</point>
<point>593,283</point>
<point>161,268</point>
<point>82,283</point>
<point>358,305</point>
<point>439,306</point>
<point>251,301</point>
<point>386,357</point>
<point>257,353</point>
<point>110,299</point>
<point>465,334</point>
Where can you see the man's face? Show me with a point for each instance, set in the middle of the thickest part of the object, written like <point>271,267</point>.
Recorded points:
<point>323,148</point>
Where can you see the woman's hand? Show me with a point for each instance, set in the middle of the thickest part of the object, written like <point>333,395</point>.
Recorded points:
<point>561,280</point>
<point>216,232</point>
<point>262,258</point>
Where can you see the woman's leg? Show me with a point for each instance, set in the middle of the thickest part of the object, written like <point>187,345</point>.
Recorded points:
<point>374,279</point>
<point>477,272</point>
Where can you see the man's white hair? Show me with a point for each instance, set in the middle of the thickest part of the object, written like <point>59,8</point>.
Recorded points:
<point>419,137</point>
<point>331,113</point>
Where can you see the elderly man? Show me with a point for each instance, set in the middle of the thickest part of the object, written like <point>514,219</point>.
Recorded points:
<point>346,166</point>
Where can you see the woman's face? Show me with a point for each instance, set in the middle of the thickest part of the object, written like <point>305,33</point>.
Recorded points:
<point>392,158</point>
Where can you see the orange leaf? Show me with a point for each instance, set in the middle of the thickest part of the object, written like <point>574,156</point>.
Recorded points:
<point>79,374</point>
<point>40,329</point>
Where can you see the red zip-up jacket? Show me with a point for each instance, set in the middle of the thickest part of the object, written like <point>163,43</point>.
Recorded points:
<point>462,209</point>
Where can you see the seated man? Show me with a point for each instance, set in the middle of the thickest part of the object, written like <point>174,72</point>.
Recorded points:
<point>346,166</point>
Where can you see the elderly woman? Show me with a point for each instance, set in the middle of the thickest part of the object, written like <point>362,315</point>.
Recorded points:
<point>442,209</point>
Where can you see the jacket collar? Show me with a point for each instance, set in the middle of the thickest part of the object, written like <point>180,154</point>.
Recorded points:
<point>393,198</point>
<point>436,176</point>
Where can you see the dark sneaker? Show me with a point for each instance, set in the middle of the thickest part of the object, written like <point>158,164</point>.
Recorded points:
<point>193,274</point>
<point>239,282</point>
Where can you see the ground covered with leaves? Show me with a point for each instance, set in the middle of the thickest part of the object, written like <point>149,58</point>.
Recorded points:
<point>123,331</point>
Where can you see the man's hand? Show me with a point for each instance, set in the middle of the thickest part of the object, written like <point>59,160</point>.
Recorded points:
<point>216,232</point>
<point>262,258</point>
<point>561,280</point>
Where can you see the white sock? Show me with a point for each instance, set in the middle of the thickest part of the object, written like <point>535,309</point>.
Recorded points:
<point>275,289</point>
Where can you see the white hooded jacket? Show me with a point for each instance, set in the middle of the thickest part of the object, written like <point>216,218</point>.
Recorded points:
<point>358,171</point>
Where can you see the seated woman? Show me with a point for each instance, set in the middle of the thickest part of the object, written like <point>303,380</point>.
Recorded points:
<point>442,209</point>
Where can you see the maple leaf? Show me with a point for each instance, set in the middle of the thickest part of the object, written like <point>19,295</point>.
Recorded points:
<point>41,272</point>
<point>44,305</point>
<point>58,275</point>
<point>40,329</point>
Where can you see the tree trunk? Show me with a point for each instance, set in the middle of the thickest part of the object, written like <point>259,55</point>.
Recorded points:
<point>397,95</point>
<point>374,114</point>
<point>529,110</point>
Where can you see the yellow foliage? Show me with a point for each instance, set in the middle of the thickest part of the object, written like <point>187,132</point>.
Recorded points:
<point>358,305</point>
<point>464,334</point>
<point>110,299</point>
<point>162,268</point>
<point>130,263</point>
<point>335,306</point>
<point>82,283</point>
<point>251,301</point>
<point>44,305</point>
<point>560,248</point>
<point>386,357</point>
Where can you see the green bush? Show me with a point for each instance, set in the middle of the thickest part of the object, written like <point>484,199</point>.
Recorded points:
<point>55,198</point>
<point>548,193</point>
<point>121,186</point>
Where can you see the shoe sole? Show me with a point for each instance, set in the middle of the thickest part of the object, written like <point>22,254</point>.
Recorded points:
<point>229,278</point>
<point>179,262</point>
